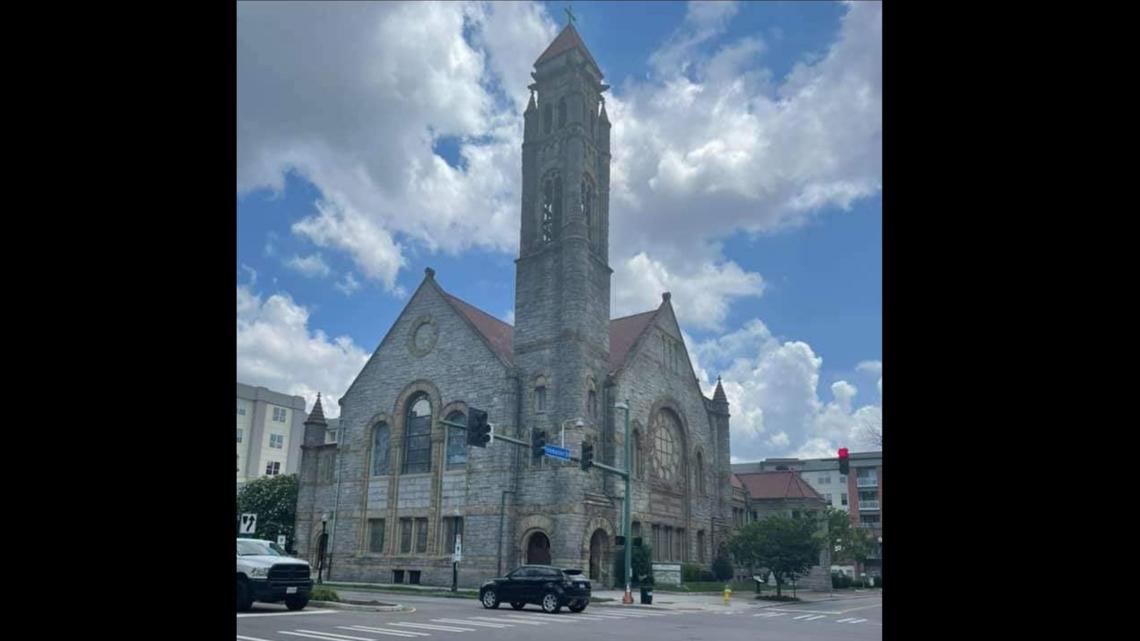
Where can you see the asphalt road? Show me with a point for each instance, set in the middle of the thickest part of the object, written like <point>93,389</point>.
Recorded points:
<point>436,619</point>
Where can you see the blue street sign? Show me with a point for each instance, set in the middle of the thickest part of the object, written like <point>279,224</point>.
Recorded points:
<point>554,451</point>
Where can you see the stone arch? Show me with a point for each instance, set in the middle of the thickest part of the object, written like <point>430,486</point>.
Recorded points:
<point>545,381</point>
<point>598,550</point>
<point>527,527</point>
<point>374,422</point>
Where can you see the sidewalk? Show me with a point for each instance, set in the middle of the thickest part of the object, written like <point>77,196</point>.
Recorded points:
<point>738,601</point>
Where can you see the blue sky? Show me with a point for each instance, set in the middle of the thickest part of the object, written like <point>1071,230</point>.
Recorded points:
<point>365,155</point>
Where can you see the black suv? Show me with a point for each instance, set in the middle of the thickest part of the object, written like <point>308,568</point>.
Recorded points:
<point>542,585</point>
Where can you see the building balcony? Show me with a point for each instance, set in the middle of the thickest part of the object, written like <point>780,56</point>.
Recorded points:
<point>867,482</point>
<point>868,505</point>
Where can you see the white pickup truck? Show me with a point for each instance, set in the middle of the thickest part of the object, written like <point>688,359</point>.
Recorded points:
<point>266,573</point>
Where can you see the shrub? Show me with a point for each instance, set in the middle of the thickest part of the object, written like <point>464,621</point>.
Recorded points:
<point>690,572</point>
<point>321,593</point>
<point>722,568</point>
<point>839,580</point>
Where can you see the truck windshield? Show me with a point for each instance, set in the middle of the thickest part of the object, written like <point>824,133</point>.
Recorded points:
<point>258,548</point>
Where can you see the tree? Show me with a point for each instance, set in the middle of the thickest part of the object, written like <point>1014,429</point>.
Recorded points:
<point>872,434</point>
<point>847,543</point>
<point>641,562</point>
<point>274,500</point>
<point>786,547</point>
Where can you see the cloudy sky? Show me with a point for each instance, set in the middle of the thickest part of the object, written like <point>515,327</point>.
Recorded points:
<point>374,140</point>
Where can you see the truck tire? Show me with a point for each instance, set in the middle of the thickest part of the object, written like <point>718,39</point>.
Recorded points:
<point>244,598</point>
<point>296,602</point>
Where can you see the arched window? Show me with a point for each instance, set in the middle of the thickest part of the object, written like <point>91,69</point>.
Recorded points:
<point>638,459</point>
<point>591,399</point>
<point>700,474</point>
<point>587,206</point>
<point>561,112</point>
<point>456,442</point>
<point>417,436</point>
<point>548,210</point>
<point>546,118</point>
<point>540,394</point>
<point>381,453</point>
<point>666,433</point>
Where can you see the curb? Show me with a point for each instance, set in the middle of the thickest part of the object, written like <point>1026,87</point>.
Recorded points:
<point>337,605</point>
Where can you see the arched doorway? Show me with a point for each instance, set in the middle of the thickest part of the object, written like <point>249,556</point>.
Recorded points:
<point>599,554</point>
<point>538,549</point>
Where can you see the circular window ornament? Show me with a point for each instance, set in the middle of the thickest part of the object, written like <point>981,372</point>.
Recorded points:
<point>424,334</point>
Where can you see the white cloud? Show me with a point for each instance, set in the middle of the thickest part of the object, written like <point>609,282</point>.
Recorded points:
<point>348,285</point>
<point>277,349</point>
<point>712,144</point>
<point>353,98</point>
<point>252,274</point>
<point>873,367</point>
<point>312,266</point>
<point>772,388</point>
<point>708,145</point>
<point>509,317</point>
<point>701,297</point>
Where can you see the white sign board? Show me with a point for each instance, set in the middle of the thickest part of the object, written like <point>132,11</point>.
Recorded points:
<point>458,555</point>
<point>248,523</point>
<point>281,540</point>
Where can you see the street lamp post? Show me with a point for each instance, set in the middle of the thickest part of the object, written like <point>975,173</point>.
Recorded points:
<point>627,598</point>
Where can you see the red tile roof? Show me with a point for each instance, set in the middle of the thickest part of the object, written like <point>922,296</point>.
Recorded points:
<point>624,332</point>
<point>736,482</point>
<point>567,40</point>
<point>777,485</point>
<point>497,333</point>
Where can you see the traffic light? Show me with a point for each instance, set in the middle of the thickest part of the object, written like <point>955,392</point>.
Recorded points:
<point>478,429</point>
<point>537,442</point>
<point>844,462</point>
<point>587,455</point>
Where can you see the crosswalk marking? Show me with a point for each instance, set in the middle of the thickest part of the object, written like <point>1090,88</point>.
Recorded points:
<point>364,628</point>
<point>282,614</point>
<point>858,621</point>
<point>478,623</point>
<point>813,618</point>
<point>428,626</point>
<point>522,618</point>
<point>338,637</point>
<point>770,614</point>
<point>249,638</point>
<point>327,636</point>
<point>802,616</point>
<point>500,620</point>
<point>845,620</point>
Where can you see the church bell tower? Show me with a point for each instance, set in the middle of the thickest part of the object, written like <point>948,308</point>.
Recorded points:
<point>562,279</point>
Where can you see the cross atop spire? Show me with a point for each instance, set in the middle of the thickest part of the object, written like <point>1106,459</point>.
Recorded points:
<point>569,15</point>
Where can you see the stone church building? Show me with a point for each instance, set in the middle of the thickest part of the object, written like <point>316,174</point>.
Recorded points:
<point>397,486</point>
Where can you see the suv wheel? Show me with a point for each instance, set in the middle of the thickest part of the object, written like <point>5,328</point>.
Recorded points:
<point>490,599</point>
<point>550,603</point>
<point>296,602</point>
<point>244,600</point>
<point>579,606</point>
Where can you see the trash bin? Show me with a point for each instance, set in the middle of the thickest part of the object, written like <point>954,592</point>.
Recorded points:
<point>646,596</point>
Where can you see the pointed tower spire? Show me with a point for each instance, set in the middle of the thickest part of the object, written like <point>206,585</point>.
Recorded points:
<point>718,395</point>
<point>318,413</point>
<point>530,105</point>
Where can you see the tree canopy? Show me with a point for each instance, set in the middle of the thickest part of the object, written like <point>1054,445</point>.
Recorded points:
<point>787,547</point>
<point>274,500</point>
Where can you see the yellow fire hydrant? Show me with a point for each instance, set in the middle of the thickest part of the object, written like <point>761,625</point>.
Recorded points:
<point>727,594</point>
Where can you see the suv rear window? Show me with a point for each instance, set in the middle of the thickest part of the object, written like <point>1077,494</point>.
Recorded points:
<point>572,572</point>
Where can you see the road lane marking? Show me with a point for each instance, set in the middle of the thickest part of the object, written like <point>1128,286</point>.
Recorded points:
<point>364,628</point>
<point>522,618</point>
<point>500,620</point>
<point>338,637</point>
<point>858,620</point>
<point>322,635</point>
<point>802,616</point>
<point>428,626</point>
<point>478,623</point>
<point>249,638</point>
<point>282,614</point>
<point>813,618</point>
<point>845,620</point>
